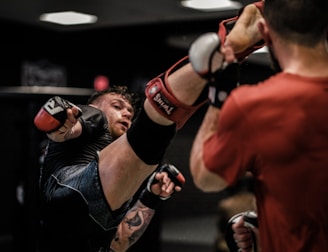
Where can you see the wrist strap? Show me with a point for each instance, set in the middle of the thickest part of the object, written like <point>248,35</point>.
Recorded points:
<point>149,199</point>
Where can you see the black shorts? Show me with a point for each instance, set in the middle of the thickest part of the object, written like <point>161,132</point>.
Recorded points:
<point>76,190</point>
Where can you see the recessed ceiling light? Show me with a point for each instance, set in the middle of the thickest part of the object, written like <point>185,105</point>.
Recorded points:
<point>211,5</point>
<point>68,18</point>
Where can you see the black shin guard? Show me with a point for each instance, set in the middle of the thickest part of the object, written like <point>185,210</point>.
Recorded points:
<point>148,139</point>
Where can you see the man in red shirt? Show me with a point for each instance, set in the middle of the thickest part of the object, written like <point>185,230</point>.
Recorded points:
<point>275,130</point>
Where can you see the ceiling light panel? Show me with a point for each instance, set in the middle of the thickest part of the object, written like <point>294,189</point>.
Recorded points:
<point>68,18</point>
<point>211,5</point>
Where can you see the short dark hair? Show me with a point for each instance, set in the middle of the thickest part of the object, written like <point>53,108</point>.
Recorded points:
<point>133,98</point>
<point>301,21</point>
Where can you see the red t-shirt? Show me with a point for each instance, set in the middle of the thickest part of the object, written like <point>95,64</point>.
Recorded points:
<point>278,130</point>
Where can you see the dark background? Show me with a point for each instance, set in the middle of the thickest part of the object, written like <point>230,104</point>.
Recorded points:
<point>128,56</point>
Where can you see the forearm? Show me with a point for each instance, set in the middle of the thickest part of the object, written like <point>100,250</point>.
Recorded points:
<point>204,179</point>
<point>132,227</point>
<point>161,185</point>
<point>207,128</point>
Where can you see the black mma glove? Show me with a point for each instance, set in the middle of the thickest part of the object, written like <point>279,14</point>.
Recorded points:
<point>250,220</point>
<point>223,82</point>
<point>153,201</point>
<point>53,114</point>
<point>220,81</point>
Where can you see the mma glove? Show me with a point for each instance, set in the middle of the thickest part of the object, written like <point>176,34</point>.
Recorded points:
<point>250,221</point>
<point>223,79</point>
<point>151,200</point>
<point>223,82</point>
<point>53,114</point>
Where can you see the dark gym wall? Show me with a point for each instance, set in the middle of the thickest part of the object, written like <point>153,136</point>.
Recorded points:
<point>121,53</point>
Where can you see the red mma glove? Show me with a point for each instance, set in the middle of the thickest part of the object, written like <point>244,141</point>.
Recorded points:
<point>53,114</point>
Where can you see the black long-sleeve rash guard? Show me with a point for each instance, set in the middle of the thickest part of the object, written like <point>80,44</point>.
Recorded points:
<point>82,150</point>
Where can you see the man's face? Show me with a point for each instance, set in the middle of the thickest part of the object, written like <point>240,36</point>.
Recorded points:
<point>119,113</point>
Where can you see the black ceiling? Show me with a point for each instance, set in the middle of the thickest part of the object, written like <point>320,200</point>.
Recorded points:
<point>125,31</point>
<point>110,13</point>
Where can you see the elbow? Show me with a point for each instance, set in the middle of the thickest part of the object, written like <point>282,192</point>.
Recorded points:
<point>208,182</point>
<point>203,187</point>
<point>208,186</point>
<point>204,179</point>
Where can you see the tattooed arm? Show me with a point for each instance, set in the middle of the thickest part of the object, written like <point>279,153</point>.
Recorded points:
<point>132,227</point>
<point>139,216</point>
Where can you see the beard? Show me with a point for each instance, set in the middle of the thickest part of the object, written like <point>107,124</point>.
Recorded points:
<point>274,62</point>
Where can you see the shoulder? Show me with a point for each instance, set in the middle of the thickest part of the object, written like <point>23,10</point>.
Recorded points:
<point>252,94</point>
<point>251,99</point>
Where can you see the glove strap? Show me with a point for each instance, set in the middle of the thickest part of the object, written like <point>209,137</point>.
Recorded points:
<point>149,199</point>
<point>163,100</point>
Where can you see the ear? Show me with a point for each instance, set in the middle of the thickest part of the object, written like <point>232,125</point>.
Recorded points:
<point>264,30</point>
